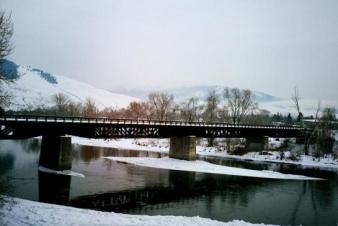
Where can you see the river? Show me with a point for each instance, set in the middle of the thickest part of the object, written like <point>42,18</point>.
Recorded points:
<point>112,186</point>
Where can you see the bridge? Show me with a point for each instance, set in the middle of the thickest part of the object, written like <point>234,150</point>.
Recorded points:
<point>56,145</point>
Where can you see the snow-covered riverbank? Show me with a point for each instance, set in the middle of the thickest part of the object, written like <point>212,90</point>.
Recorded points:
<point>161,145</point>
<point>21,212</point>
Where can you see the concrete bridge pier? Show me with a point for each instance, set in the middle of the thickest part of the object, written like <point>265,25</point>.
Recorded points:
<point>56,152</point>
<point>183,148</point>
<point>257,143</point>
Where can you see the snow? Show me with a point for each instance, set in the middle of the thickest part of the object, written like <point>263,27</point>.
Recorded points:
<point>274,156</point>
<point>23,212</point>
<point>204,167</point>
<point>61,172</point>
<point>285,106</point>
<point>31,90</point>
<point>158,145</point>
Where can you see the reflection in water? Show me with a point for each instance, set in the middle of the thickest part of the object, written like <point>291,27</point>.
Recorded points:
<point>6,162</point>
<point>54,188</point>
<point>184,187</point>
<point>30,145</point>
<point>90,153</point>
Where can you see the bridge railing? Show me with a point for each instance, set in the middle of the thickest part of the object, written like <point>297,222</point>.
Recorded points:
<point>70,119</point>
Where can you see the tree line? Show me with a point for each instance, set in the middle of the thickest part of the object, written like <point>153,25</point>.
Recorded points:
<point>239,107</point>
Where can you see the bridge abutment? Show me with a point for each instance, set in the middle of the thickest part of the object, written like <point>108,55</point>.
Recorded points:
<point>257,143</point>
<point>56,152</point>
<point>183,148</point>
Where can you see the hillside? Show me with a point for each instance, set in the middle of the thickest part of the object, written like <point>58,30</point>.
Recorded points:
<point>266,101</point>
<point>31,88</point>
<point>201,92</point>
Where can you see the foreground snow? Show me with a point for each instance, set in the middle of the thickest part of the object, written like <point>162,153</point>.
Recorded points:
<point>205,167</point>
<point>161,145</point>
<point>23,212</point>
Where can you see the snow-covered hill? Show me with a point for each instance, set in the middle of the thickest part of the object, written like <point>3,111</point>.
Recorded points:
<point>31,88</point>
<point>266,101</point>
<point>201,92</point>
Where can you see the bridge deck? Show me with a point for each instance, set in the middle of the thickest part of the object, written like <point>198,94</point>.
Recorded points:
<point>24,126</point>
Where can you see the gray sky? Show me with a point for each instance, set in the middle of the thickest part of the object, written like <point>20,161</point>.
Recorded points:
<point>269,46</point>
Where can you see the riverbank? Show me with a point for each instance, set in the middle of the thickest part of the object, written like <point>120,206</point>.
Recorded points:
<point>161,145</point>
<point>15,211</point>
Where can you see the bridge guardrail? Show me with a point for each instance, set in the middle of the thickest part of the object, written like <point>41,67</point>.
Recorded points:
<point>70,119</point>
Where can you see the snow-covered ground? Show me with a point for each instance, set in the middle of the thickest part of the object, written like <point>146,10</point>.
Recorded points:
<point>35,88</point>
<point>205,167</point>
<point>23,212</point>
<point>161,145</point>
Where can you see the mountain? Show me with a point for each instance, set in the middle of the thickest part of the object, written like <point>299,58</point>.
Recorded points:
<point>31,88</point>
<point>201,92</point>
<point>266,101</point>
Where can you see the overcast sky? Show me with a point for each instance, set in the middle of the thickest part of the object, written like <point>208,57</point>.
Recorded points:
<point>269,46</point>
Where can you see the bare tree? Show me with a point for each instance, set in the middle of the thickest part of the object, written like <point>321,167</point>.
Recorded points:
<point>162,104</point>
<point>211,111</point>
<point>6,47</point>
<point>296,100</point>
<point>189,109</point>
<point>211,108</point>
<point>240,103</point>
<point>4,100</point>
<point>61,102</point>
<point>314,130</point>
<point>6,33</point>
<point>74,109</point>
<point>135,110</point>
<point>89,108</point>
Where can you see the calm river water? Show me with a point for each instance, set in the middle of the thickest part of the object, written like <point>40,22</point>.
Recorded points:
<point>111,186</point>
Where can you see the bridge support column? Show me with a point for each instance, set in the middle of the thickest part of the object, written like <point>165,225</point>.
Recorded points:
<point>257,143</point>
<point>56,152</point>
<point>183,148</point>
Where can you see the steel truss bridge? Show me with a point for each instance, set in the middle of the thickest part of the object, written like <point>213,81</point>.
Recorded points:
<point>26,126</point>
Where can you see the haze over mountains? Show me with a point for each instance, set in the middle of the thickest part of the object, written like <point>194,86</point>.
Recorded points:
<point>265,101</point>
<point>32,88</point>
<point>201,92</point>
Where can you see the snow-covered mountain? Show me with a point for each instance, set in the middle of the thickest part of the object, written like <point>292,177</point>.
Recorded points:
<point>201,92</point>
<point>268,102</point>
<point>31,88</point>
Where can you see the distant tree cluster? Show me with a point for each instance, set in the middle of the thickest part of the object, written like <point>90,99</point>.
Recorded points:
<point>162,106</point>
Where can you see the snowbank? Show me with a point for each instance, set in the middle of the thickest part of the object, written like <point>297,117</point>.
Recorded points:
<point>205,167</point>
<point>160,145</point>
<point>274,156</point>
<point>24,212</point>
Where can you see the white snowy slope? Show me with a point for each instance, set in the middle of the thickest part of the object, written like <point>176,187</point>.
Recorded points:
<point>205,167</point>
<point>34,88</point>
<point>23,212</point>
